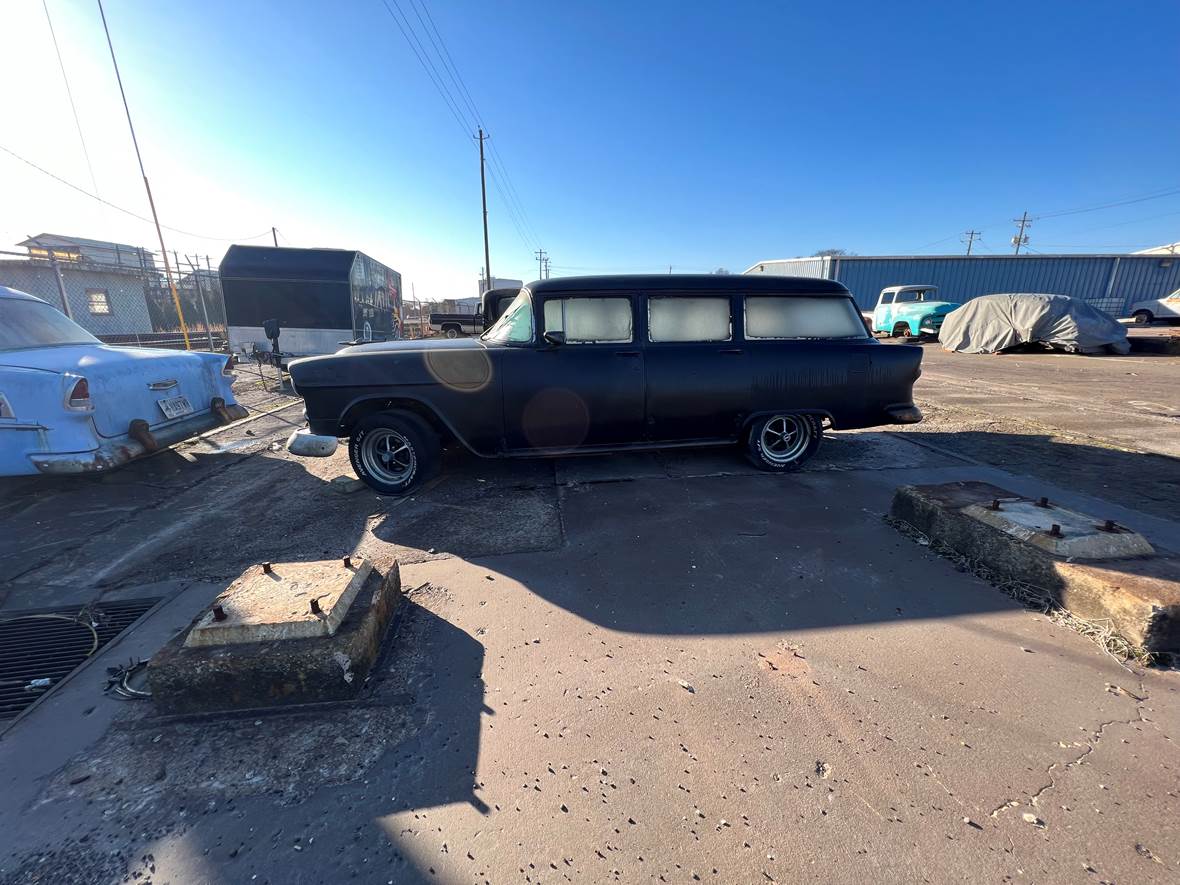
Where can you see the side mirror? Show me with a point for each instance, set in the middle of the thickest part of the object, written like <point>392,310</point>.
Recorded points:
<point>555,338</point>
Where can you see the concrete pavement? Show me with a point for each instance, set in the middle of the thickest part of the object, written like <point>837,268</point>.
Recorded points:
<point>665,668</point>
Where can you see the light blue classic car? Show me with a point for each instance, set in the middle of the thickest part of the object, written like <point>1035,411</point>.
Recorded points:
<point>71,404</point>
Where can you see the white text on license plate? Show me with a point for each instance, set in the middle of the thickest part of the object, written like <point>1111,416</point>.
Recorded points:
<point>175,406</point>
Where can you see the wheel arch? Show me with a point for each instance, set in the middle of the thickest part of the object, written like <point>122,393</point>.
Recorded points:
<point>364,407</point>
<point>762,414</point>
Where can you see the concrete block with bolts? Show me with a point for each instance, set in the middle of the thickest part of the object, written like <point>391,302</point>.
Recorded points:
<point>279,671</point>
<point>282,600</point>
<point>1109,573</point>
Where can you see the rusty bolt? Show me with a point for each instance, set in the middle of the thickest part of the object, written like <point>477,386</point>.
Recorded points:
<point>266,567</point>
<point>315,607</point>
<point>1055,531</point>
<point>348,562</point>
<point>1042,502</point>
<point>1109,526</point>
<point>218,613</point>
<point>994,505</point>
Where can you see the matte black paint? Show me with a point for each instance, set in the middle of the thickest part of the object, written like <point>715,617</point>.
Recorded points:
<point>503,400</point>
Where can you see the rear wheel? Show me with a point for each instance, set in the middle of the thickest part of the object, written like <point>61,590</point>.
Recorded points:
<point>1143,317</point>
<point>451,331</point>
<point>393,451</point>
<point>782,443</point>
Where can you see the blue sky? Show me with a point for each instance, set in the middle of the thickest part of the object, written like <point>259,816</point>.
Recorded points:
<point>636,135</point>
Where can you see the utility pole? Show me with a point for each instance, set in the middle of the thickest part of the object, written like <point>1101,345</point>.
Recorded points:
<point>274,235</point>
<point>147,187</point>
<point>483,193</point>
<point>545,274</point>
<point>541,263</point>
<point>971,236</point>
<point>61,283</point>
<point>1021,239</point>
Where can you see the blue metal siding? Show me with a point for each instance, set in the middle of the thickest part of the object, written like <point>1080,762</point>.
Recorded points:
<point>959,278</point>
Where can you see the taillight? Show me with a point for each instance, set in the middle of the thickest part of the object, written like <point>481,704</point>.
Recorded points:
<point>78,398</point>
<point>228,368</point>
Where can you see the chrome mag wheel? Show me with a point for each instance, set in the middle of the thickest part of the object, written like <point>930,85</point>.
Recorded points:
<point>388,456</point>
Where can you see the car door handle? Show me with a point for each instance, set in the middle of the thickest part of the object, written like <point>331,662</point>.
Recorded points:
<point>730,350</point>
<point>626,353</point>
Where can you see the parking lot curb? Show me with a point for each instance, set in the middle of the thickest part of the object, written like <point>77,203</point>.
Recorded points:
<point>1139,596</point>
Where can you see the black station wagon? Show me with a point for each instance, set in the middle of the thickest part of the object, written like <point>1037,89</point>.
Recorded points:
<point>607,364</point>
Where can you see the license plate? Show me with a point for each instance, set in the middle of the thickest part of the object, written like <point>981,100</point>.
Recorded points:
<point>175,406</point>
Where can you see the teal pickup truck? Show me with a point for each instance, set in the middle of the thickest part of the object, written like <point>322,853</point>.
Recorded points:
<point>910,310</point>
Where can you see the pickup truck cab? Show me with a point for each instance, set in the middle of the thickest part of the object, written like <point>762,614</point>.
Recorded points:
<point>493,303</point>
<point>1166,308</point>
<point>910,310</point>
<point>617,363</point>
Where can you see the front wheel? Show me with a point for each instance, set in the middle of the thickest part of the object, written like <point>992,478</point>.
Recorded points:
<point>392,452</point>
<point>1143,317</point>
<point>782,443</point>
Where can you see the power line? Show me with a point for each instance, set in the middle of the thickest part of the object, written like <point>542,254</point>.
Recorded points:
<point>452,70</point>
<point>122,209</point>
<point>428,68</point>
<point>1152,195</point>
<point>1169,191</point>
<point>70,94</point>
<point>512,204</point>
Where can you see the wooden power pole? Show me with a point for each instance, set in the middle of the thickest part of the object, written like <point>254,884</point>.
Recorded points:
<point>483,193</point>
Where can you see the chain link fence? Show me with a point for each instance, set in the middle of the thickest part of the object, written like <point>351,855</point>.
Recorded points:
<point>121,295</point>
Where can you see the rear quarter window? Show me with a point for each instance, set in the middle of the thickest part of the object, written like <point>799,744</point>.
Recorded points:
<point>781,316</point>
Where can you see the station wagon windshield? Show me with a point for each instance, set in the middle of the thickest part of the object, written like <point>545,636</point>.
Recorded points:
<point>25,324</point>
<point>516,325</point>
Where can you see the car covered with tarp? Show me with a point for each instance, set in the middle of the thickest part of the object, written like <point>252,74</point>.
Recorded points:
<point>995,323</point>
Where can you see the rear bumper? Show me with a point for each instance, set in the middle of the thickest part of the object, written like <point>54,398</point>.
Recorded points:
<point>117,451</point>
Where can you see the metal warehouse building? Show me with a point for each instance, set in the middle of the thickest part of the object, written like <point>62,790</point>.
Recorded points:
<point>1108,282</point>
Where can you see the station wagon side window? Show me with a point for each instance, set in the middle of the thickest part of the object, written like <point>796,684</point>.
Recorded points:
<point>801,316</point>
<point>590,320</point>
<point>887,298</point>
<point>681,318</point>
<point>909,296</point>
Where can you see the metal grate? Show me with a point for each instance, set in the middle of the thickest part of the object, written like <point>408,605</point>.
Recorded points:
<point>35,648</point>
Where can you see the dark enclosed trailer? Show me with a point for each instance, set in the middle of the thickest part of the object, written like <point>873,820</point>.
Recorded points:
<point>321,298</point>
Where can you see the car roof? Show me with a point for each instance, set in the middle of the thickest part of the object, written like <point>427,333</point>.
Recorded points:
<point>689,283</point>
<point>18,295</point>
<point>912,286</point>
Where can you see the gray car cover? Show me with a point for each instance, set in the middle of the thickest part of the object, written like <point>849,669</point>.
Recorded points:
<point>992,323</point>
